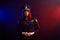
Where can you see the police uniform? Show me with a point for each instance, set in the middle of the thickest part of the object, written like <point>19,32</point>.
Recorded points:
<point>28,25</point>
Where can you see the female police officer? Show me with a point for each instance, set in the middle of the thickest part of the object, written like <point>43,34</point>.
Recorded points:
<point>28,28</point>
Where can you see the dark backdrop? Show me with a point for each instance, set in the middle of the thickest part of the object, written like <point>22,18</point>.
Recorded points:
<point>46,11</point>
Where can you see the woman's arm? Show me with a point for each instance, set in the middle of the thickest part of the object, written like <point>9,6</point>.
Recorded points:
<point>37,29</point>
<point>36,25</point>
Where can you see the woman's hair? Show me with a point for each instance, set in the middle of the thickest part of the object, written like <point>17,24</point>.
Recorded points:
<point>30,16</point>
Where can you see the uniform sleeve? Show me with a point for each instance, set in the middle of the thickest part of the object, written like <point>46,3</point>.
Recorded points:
<point>19,27</point>
<point>18,30</point>
<point>37,29</point>
<point>36,24</point>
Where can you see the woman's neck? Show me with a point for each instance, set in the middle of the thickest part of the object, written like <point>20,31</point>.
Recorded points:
<point>26,18</point>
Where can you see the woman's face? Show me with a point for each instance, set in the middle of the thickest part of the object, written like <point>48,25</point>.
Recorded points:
<point>26,13</point>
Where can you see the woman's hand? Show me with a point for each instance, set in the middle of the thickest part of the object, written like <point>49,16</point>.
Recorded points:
<point>28,34</point>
